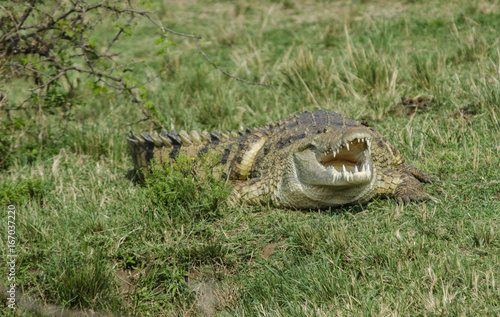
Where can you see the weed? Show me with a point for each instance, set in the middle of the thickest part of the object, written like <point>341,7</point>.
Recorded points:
<point>23,191</point>
<point>185,195</point>
<point>76,282</point>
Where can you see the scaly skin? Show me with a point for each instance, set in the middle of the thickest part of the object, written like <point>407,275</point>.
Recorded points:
<point>310,160</point>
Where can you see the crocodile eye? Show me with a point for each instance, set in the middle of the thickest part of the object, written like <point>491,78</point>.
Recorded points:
<point>307,146</point>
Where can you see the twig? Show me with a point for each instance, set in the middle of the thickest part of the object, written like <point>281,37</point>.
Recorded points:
<point>194,38</point>
<point>43,37</point>
<point>223,71</point>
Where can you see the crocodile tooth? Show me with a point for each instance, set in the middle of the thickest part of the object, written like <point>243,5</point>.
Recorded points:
<point>186,140</point>
<point>356,169</point>
<point>343,168</point>
<point>205,136</point>
<point>347,146</point>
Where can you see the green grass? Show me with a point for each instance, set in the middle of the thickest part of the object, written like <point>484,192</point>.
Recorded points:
<point>89,238</point>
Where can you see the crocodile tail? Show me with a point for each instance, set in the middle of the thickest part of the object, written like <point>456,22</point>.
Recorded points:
<point>166,146</point>
<point>146,147</point>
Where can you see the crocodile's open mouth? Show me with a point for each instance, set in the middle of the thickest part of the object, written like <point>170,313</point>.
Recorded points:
<point>345,163</point>
<point>348,163</point>
<point>349,159</point>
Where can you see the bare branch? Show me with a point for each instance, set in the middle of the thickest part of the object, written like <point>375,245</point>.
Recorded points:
<point>50,44</point>
<point>223,71</point>
<point>118,35</point>
<point>194,38</point>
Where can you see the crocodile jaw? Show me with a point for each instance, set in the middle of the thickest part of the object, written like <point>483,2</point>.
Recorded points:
<point>335,174</point>
<point>347,163</point>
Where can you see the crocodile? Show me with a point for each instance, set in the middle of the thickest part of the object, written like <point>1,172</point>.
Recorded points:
<point>311,160</point>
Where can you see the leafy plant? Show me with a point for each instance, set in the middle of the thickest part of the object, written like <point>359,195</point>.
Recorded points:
<point>185,194</point>
<point>23,191</point>
<point>80,283</point>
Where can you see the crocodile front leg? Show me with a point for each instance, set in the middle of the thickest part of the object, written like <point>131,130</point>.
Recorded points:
<point>412,170</point>
<point>402,186</point>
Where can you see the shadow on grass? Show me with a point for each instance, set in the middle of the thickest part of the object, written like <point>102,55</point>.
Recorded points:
<point>352,209</point>
<point>132,176</point>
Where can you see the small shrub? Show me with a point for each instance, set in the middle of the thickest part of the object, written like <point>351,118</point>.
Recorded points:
<point>210,252</point>
<point>171,278</point>
<point>23,191</point>
<point>187,189</point>
<point>81,283</point>
<point>484,236</point>
<point>309,238</point>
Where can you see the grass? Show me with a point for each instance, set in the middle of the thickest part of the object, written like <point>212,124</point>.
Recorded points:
<point>89,238</point>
